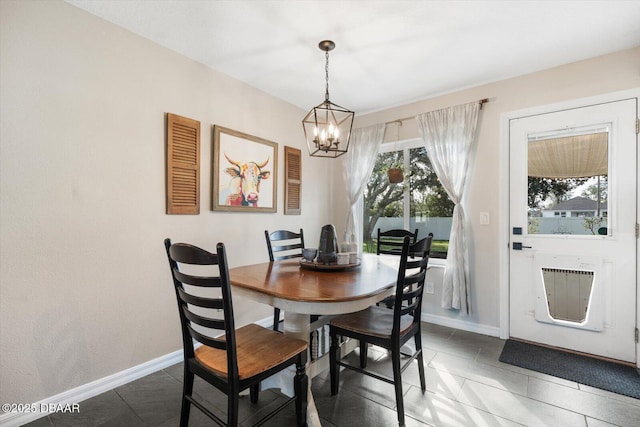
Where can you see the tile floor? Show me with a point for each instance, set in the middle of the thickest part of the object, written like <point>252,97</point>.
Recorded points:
<point>466,386</point>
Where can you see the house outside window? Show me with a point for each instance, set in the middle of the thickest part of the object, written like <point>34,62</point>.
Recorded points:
<point>576,215</point>
<point>418,202</point>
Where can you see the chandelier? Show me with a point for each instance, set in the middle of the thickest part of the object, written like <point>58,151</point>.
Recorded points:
<point>327,127</point>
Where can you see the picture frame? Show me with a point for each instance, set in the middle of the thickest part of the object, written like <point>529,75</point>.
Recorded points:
<point>244,172</point>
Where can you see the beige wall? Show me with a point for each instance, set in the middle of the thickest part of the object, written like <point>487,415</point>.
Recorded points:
<point>599,75</point>
<point>85,290</point>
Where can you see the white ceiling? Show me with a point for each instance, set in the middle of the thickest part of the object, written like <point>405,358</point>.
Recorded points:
<point>388,52</point>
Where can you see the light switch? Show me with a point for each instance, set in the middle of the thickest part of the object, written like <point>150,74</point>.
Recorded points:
<point>484,218</point>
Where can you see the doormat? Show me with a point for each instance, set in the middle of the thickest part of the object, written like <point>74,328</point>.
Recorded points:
<point>586,370</point>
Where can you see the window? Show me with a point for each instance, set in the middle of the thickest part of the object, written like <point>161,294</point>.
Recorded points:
<point>568,174</point>
<point>419,201</point>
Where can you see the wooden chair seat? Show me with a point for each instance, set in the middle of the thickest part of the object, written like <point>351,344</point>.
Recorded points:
<point>373,321</point>
<point>258,349</point>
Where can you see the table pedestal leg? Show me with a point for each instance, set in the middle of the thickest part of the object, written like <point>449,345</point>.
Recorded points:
<point>297,325</point>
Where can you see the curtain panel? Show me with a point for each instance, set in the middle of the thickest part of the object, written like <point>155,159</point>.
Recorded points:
<point>357,167</point>
<point>448,135</point>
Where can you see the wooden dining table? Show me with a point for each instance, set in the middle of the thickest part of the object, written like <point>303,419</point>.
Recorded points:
<point>302,290</point>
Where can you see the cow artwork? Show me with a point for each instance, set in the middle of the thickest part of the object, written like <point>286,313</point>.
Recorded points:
<point>244,188</point>
<point>240,163</point>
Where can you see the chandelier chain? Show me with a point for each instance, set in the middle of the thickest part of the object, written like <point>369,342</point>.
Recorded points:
<point>326,72</point>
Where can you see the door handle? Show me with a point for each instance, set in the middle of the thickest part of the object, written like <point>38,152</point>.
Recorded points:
<point>518,246</point>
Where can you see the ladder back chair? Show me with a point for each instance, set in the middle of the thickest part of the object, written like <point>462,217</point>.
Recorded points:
<point>285,244</point>
<point>388,328</point>
<point>391,245</point>
<point>390,241</point>
<point>289,245</point>
<point>232,360</point>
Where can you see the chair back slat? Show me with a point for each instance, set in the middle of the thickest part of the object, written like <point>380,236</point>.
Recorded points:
<point>289,244</point>
<point>206,340</point>
<point>410,299</point>
<point>391,241</point>
<point>189,279</point>
<point>197,316</point>
<point>283,257</point>
<point>410,285</point>
<point>204,321</point>
<point>288,248</point>
<point>216,303</point>
<point>415,261</point>
<point>415,278</point>
<point>189,254</point>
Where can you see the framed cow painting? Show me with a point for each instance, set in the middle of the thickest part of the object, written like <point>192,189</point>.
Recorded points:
<point>245,172</point>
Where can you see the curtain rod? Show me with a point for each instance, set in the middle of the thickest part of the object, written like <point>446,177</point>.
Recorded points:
<point>481,102</point>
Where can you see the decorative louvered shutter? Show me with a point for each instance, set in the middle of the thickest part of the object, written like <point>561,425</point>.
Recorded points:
<point>183,165</point>
<point>292,181</point>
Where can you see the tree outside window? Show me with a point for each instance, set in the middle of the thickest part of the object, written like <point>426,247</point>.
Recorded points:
<point>419,201</point>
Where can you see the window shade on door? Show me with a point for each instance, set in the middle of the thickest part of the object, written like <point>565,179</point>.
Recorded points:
<point>577,156</point>
<point>292,181</point>
<point>183,165</point>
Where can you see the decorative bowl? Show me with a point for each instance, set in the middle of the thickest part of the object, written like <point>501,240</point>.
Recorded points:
<point>309,254</point>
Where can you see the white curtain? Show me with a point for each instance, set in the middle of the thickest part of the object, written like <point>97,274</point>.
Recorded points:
<point>356,169</point>
<point>448,136</point>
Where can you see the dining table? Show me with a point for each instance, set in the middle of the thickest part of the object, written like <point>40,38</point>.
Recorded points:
<point>301,288</point>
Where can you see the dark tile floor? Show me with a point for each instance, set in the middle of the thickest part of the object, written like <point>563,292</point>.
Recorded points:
<point>466,386</point>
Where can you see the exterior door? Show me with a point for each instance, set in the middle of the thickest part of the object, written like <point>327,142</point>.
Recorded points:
<point>572,260</point>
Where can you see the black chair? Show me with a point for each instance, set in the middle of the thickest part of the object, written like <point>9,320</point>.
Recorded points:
<point>290,245</point>
<point>390,241</point>
<point>388,328</point>
<point>237,360</point>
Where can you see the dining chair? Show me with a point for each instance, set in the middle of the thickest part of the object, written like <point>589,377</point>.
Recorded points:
<point>289,245</point>
<point>390,241</point>
<point>232,360</point>
<point>388,328</point>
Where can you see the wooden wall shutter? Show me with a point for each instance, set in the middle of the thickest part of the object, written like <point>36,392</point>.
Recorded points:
<point>292,181</point>
<point>183,165</point>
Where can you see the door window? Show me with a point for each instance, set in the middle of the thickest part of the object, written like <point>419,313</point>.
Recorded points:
<point>568,182</point>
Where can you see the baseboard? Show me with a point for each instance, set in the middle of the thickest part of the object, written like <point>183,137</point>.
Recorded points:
<point>493,331</point>
<point>86,391</point>
<point>267,322</point>
<point>94,388</point>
